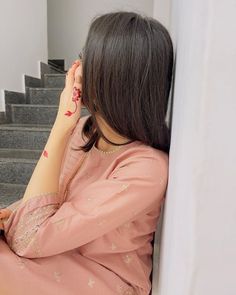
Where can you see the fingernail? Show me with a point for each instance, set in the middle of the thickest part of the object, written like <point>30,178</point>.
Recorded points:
<point>76,61</point>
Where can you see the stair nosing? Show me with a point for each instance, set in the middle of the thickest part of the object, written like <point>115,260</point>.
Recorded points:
<point>50,75</point>
<point>18,149</point>
<point>25,128</point>
<point>18,160</point>
<point>12,184</point>
<point>45,88</point>
<point>34,105</point>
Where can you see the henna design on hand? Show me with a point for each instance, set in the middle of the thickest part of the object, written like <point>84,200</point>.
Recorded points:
<point>45,154</point>
<point>75,99</point>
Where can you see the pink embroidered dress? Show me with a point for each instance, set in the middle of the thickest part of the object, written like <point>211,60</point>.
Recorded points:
<point>98,241</point>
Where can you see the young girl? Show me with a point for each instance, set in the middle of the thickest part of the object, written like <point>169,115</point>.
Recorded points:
<point>86,221</point>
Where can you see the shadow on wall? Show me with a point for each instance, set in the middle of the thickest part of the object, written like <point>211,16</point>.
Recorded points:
<point>157,236</point>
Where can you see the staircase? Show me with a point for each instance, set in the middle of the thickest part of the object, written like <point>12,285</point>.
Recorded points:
<point>24,130</point>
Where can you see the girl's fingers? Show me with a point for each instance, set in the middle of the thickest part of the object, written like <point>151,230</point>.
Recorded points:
<point>2,224</point>
<point>79,74</point>
<point>70,74</point>
<point>78,77</point>
<point>4,213</point>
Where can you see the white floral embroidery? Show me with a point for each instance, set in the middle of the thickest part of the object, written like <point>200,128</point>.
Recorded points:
<point>161,180</point>
<point>28,226</point>
<point>124,186</point>
<point>127,225</point>
<point>134,212</point>
<point>91,283</point>
<point>113,246</point>
<point>57,276</point>
<point>129,292</point>
<point>101,222</point>
<point>127,259</point>
<point>124,290</point>
<point>59,223</point>
<point>119,288</point>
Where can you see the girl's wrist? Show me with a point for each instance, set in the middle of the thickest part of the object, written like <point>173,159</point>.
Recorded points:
<point>61,130</point>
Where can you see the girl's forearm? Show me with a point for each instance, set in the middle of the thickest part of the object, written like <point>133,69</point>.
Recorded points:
<point>45,177</point>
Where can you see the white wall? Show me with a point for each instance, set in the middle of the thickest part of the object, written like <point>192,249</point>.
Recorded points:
<point>68,23</point>
<point>198,238</point>
<point>162,11</point>
<point>23,38</point>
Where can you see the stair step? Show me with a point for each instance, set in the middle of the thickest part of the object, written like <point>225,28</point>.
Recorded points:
<point>23,136</point>
<point>36,114</point>
<point>8,154</point>
<point>17,171</point>
<point>17,165</point>
<point>26,130</point>
<point>33,114</point>
<point>47,96</point>
<point>28,126</point>
<point>54,80</point>
<point>10,193</point>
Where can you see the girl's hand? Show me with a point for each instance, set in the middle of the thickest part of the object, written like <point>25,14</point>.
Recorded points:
<point>69,110</point>
<point>4,215</point>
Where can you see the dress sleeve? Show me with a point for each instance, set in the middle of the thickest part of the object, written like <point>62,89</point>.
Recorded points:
<point>136,186</point>
<point>24,221</point>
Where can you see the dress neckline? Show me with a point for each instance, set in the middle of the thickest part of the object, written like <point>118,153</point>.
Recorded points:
<point>116,151</point>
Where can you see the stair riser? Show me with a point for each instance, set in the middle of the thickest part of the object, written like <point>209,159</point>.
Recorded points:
<point>33,114</point>
<point>36,115</point>
<point>32,81</point>
<point>23,139</point>
<point>54,81</point>
<point>19,173</point>
<point>20,154</point>
<point>43,96</point>
<point>47,69</point>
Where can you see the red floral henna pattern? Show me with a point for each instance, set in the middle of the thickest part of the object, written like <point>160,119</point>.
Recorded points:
<point>75,98</point>
<point>76,94</point>
<point>68,113</point>
<point>45,154</point>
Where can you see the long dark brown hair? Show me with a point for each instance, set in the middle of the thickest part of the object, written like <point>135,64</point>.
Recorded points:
<point>127,72</point>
